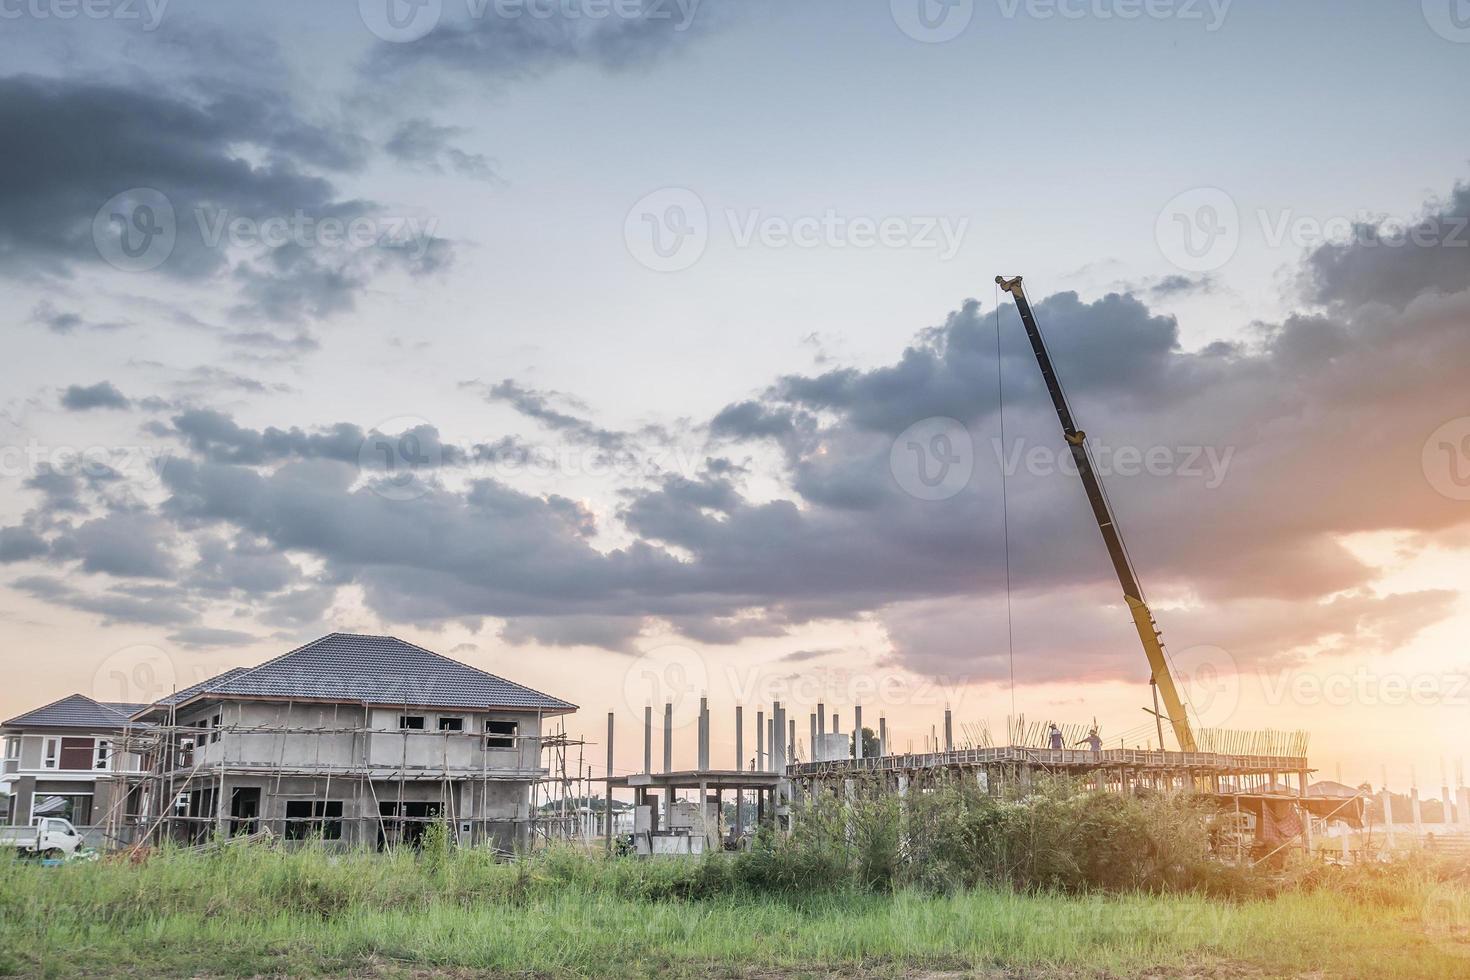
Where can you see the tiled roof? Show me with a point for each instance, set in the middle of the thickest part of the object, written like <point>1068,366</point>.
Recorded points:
<point>375,670</point>
<point>74,711</point>
<point>179,697</point>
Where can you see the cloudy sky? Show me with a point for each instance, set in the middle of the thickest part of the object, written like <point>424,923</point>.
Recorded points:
<point>645,348</point>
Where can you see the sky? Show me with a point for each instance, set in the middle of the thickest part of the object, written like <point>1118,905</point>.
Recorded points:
<point>647,349</point>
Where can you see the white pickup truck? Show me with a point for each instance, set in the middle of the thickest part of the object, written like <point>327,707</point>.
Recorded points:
<point>50,837</point>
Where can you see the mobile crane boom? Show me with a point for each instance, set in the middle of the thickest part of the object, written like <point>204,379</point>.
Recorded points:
<point>1143,618</point>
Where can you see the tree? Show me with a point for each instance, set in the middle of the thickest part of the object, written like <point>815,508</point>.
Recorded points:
<point>870,744</point>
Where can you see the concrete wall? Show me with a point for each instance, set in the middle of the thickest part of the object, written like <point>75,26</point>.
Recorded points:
<point>476,812</point>
<point>383,746</point>
<point>487,790</point>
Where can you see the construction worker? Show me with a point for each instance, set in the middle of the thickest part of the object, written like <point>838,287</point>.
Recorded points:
<point>1054,736</point>
<point>1093,741</point>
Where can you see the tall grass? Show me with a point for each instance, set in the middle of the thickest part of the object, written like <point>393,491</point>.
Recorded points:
<point>949,881</point>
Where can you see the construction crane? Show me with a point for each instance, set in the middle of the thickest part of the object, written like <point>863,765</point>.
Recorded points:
<point>1143,618</point>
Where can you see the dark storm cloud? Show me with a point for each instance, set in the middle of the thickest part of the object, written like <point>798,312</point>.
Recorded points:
<point>113,606</point>
<point>207,638</point>
<point>103,394</point>
<point>1309,432</point>
<point>1394,264</point>
<point>216,154</point>
<point>422,143</point>
<point>525,46</point>
<point>216,436</point>
<point>1181,285</point>
<point>121,544</point>
<point>538,405</point>
<point>21,543</point>
<point>65,322</point>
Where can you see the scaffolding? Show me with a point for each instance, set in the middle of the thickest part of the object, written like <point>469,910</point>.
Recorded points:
<point>340,781</point>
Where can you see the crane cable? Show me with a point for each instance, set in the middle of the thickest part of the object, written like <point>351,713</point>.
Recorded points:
<point>1005,510</point>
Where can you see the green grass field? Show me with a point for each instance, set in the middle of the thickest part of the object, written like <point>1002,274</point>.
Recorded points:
<point>260,911</point>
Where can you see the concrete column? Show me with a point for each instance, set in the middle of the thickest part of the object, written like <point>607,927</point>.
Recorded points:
<point>703,735</point>
<point>1447,802</point>
<point>812,747</point>
<point>647,739</point>
<point>821,717</point>
<point>1301,784</point>
<point>607,813</point>
<point>669,738</point>
<point>739,742</point>
<point>857,731</point>
<point>791,741</point>
<point>1414,804</point>
<point>903,802</point>
<point>760,741</point>
<point>1387,798</point>
<point>783,751</point>
<point>882,736</point>
<point>948,730</point>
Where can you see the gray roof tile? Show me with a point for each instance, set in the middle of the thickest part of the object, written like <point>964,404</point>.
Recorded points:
<point>375,670</point>
<point>73,711</point>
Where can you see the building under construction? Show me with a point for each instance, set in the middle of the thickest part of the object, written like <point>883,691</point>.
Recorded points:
<point>351,740</point>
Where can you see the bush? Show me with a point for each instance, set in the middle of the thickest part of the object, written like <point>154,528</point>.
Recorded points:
<point>950,836</point>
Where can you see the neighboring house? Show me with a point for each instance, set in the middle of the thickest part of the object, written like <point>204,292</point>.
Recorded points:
<point>62,760</point>
<point>358,740</point>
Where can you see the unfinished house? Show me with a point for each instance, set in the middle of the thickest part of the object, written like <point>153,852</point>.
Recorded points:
<point>65,760</point>
<point>350,740</point>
